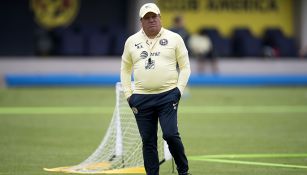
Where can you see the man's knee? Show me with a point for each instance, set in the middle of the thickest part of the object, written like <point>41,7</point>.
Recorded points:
<point>171,137</point>
<point>149,141</point>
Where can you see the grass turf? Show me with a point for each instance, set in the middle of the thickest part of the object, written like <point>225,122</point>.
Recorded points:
<point>30,142</point>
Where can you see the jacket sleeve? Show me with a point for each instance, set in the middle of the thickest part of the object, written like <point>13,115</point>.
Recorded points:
<point>126,70</point>
<point>184,65</point>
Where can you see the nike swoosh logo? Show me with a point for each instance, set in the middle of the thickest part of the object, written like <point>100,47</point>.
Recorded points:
<point>137,44</point>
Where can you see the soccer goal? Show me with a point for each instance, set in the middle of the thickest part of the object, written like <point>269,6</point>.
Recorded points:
<point>120,151</point>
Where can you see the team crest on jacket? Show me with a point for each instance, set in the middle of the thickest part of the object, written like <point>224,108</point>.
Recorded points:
<point>143,55</point>
<point>163,42</point>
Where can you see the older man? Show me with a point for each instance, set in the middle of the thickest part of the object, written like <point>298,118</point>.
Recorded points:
<point>152,54</point>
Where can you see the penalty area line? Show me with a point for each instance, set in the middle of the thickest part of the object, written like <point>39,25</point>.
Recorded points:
<point>233,156</point>
<point>225,159</point>
<point>243,109</point>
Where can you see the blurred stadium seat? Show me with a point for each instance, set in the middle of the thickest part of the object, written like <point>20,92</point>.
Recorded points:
<point>118,42</point>
<point>118,34</point>
<point>71,42</point>
<point>221,46</point>
<point>245,44</point>
<point>80,40</point>
<point>284,46</point>
<point>98,44</point>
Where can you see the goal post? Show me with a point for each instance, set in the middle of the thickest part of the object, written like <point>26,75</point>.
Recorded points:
<point>120,151</point>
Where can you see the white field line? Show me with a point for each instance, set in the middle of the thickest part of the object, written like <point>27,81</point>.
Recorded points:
<point>182,109</point>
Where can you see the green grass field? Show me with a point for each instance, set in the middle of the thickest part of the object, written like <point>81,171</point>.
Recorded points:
<point>226,131</point>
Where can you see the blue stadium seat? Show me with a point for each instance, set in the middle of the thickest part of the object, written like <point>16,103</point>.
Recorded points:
<point>245,44</point>
<point>71,43</point>
<point>285,46</point>
<point>221,46</point>
<point>98,44</point>
<point>119,43</point>
<point>119,35</point>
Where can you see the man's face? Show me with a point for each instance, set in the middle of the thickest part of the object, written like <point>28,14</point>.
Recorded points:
<point>151,24</point>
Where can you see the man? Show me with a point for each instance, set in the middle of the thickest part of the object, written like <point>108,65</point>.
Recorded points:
<point>201,47</point>
<point>153,53</point>
<point>179,27</point>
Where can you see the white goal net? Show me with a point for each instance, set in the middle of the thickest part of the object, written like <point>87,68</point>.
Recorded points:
<point>120,151</point>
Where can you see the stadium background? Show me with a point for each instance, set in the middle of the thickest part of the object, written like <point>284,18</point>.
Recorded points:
<point>87,37</point>
<point>250,116</point>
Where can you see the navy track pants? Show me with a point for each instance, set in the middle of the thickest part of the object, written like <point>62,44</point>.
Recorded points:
<point>148,110</point>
